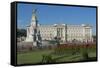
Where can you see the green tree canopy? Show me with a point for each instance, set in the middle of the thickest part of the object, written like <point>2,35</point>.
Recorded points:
<point>21,32</point>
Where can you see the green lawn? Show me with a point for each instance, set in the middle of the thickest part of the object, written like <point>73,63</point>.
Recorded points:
<point>75,57</point>
<point>33,57</point>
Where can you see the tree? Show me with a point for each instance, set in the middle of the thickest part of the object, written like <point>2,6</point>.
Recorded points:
<point>94,38</point>
<point>57,39</point>
<point>21,32</point>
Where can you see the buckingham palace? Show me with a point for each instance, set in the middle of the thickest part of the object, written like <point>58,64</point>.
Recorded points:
<point>66,32</point>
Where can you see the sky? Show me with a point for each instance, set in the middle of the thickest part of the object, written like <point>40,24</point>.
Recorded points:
<point>55,14</point>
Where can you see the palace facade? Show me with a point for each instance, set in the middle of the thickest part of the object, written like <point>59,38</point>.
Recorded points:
<point>66,32</point>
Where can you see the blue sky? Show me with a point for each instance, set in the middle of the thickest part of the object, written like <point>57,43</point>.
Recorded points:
<point>49,14</point>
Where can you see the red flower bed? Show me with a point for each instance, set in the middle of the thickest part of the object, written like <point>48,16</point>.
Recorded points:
<point>72,48</point>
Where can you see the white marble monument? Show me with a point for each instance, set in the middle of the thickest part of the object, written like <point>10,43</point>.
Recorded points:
<point>33,33</point>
